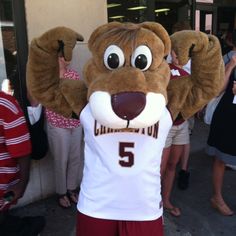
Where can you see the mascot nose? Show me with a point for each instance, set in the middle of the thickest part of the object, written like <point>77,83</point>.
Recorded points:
<point>128,105</point>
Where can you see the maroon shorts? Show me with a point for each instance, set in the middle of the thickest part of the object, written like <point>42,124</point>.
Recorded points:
<point>89,226</point>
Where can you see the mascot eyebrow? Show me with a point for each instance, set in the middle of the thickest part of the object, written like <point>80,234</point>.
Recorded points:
<point>121,36</point>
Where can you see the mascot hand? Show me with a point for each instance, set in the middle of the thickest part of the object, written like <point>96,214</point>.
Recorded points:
<point>207,69</point>
<point>42,75</point>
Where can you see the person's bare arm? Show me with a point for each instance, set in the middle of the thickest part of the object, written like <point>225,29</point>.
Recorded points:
<point>32,101</point>
<point>228,70</point>
<point>19,188</point>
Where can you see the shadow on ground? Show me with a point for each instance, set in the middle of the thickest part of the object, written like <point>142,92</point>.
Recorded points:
<point>198,218</point>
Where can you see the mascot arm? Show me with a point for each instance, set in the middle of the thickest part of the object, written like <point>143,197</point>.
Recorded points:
<point>176,99</point>
<point>42,73</point>
<point>207,71</point>
<point>75,93</point>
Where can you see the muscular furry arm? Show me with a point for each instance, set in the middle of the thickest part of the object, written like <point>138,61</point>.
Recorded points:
<point>42,75</point>
<point>207,73</point>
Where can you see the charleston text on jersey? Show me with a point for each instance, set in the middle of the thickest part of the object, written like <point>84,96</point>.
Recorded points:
<point>151,131</point>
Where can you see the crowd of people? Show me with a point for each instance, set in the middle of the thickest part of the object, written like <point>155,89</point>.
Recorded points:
<point>65,137</point>
<point>18,145</point>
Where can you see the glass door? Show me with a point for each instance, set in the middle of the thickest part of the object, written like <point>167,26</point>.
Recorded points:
<point>204,21</point>
<point>13,48</point>
<point>8,61</point>
<point>166,12</point>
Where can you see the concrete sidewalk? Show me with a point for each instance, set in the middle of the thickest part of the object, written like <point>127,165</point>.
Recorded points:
<point>197,218</point>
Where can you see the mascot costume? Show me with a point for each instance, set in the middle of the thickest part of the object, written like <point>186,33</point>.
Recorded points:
<point>126,104</point>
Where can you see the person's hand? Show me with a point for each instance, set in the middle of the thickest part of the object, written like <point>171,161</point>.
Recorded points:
<point>233,64</point>
<point>200,114</point>
<point>12,194</point>
<point>32,101</point>
<point>17,190</point>
<point>62,66</point>
<point>233,61</point>
<point>234,88</point>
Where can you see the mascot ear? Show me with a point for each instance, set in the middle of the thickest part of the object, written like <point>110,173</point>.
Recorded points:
<point>160,31</point>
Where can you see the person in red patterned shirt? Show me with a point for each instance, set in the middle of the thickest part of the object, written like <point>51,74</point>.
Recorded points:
<point>15,150</point>
<point>64,139</point>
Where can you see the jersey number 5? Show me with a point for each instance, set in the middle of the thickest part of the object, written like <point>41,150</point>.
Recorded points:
<point>127,157</point>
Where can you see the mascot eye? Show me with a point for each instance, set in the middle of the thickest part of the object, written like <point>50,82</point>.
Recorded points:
<point>141,58</point>
<point>113,57</point>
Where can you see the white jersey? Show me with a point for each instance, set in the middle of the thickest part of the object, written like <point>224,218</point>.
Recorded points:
<point>121,178</point>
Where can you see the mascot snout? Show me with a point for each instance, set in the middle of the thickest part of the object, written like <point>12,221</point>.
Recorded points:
<point>128,105</point>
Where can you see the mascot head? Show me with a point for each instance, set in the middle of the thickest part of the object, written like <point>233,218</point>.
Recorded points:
<point>127,75</point>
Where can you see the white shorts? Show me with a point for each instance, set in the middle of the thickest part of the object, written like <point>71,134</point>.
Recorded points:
<point>178,135</point>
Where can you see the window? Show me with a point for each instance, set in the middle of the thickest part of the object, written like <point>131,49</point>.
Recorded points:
<point>13,48</point>
<point>166,12</point>
<point>205,1</point>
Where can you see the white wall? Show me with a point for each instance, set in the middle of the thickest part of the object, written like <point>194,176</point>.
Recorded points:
<point>82,16</point>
